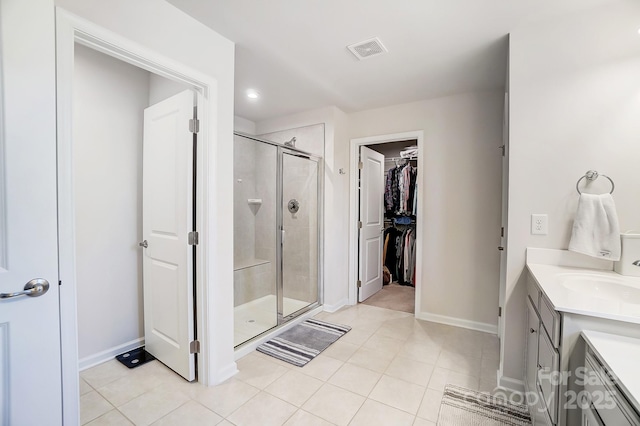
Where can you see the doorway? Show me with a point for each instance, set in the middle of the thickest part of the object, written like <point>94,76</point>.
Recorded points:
<point>71,32</point>
<point>129,214</point>
<point>388,181</point>
<point>367,195</point>
<point>133,180</point>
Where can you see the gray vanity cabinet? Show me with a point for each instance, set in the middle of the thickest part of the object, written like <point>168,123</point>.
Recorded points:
<point>602,402</point>
<point>542,358</point>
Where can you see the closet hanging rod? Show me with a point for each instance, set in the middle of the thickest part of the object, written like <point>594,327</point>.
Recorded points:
<point>400,158</point>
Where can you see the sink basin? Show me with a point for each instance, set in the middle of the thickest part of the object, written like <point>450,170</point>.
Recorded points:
<point>602,287</point>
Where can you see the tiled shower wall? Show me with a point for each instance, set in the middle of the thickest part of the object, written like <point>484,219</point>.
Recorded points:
<point>244,177</point>
<point>300,249</point>
<point>254,224</point>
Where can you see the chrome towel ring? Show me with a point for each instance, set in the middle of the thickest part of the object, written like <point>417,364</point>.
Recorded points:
<point>592,175</point>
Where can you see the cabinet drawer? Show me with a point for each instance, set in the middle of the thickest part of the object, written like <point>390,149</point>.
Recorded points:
<point>604,397</point>
<point>550,319</point>
<point>548,375</point>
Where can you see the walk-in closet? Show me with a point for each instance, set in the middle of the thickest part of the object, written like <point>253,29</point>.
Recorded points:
<point>397,196</point>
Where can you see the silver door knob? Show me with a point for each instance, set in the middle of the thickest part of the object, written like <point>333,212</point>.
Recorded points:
<point>144,244</point>
<point>34,288</point>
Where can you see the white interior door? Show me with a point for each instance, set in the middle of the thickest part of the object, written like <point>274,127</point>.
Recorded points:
<point>372,220</point>
<point>167,207</point>
<point>30,372</point>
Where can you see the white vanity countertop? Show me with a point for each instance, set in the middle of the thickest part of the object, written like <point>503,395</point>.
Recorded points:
<point>588,297</point>
<point>620,355</point>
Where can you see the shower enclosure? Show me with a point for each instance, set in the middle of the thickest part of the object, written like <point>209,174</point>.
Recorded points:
<point>276,235</point>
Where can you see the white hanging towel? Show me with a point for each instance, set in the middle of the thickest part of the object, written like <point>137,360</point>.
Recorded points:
<point>596,231</point>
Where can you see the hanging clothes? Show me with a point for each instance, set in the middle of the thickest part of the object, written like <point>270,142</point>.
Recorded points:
<point>400,253</point>
<point>400,203</point>
<point>400,195</point>
<point>391,236</point>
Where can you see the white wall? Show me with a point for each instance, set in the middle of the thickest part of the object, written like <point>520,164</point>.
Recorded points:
<point>460,226</point>
<point>243,125</point>
<point>308,139</point>
<point>161,88</point>
<point>109,101</point>
<point>574,106</point>
<point>146,23</point>
<point>336,195</point>
<point>462,221</point>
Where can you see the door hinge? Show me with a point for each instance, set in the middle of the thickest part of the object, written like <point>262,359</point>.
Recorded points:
<point>360,165</point>
<point>503,148</point>
<point>194,125</point>
<point>502,231</point>
<point>193,238</point>
<point>359,224</point>
<point>59,282</point>
<point>194,347</point>
<point>499,311</point>
<point>359,283</point>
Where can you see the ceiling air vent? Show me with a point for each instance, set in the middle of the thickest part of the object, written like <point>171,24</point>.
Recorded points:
<point>367,49</point>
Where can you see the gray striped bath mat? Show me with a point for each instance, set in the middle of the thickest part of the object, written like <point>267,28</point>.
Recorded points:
<point>464,407</point>
<point>304,342</point>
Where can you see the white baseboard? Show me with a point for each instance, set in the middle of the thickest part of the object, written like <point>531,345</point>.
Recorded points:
<point>458,322</point>
<point>335,307</point>
<point>251,346</point>
<point>109,354</point>
<point>511,384</point>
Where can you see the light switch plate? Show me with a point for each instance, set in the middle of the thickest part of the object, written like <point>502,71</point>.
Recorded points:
<point>539,224</point>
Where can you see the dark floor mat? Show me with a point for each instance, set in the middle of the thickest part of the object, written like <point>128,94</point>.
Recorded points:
<point>135,357</point>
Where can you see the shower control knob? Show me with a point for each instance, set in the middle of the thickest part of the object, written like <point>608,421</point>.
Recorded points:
<point>293,206</point>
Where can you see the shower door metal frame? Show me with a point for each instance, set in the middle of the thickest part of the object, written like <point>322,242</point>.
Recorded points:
<point>281,149</point>
<point>280,223</point>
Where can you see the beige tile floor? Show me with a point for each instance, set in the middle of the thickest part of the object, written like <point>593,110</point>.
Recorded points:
<point>258,316</point>
<point>390,369</point>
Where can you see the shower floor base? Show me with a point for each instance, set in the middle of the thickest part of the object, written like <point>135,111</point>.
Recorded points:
<point>258,316</point>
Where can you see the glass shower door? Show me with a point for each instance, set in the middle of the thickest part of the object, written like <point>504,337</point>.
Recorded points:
<point>255,238</point>
<point>300,226</point>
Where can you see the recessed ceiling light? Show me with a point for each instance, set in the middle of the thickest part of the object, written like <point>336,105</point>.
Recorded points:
<point>252,94</point>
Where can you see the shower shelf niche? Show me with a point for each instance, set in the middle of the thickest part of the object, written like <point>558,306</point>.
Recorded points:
<point>249,263</point>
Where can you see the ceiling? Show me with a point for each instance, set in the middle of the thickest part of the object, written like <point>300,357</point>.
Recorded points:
<point>293,52</point>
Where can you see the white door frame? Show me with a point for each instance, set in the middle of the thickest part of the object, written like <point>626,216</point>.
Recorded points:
<point>353,208</point>
<point>71,29</point>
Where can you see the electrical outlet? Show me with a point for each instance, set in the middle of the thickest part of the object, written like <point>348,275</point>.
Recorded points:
<point>539,224</point>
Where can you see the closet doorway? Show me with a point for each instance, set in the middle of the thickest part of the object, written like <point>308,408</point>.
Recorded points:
<point>386,206</point>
